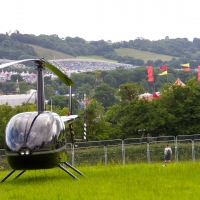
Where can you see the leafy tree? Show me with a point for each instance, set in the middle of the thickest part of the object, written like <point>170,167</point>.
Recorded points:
<point>113,117</point>
<point>5,111</point>
<point>110,80</point>
<point>49,91</point>
<point>97,127</point>
<point>84,89</point>
<point>105,94</point>
<point>16,77</point>
<point>47,80</point>
<point>25,87</point>
<point>130,91</point>
<point>62,101</point>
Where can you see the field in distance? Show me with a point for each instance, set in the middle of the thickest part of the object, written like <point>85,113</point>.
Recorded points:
<point>49,54</point>
<point>143,55</point>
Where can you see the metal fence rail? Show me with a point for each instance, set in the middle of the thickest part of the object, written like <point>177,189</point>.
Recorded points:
<point>131,150</point>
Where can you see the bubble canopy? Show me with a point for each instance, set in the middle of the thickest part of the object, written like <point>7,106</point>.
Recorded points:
<point>33,130</point>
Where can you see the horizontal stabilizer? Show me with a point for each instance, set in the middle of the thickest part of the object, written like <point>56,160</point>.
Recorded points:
<point>69,118</point>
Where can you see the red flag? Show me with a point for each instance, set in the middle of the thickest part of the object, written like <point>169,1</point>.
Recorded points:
<point>163,68</point>
<point>155,95</point>
<point>199,73</point>
<point>150,74</point>
<point>186,69</point>
<point>86,101</point>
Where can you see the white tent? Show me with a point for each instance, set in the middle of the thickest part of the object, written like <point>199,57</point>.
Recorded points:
<point>18,99</point>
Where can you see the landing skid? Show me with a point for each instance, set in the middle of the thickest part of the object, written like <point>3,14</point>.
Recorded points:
<point>11,174</point>
<point>59,165</point>
<point>76,170</point>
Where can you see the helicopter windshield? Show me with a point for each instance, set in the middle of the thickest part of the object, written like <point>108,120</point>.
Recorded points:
<point>15,131</point>
<point>32,130</point>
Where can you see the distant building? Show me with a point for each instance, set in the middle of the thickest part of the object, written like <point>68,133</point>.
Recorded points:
<point>17,100</point>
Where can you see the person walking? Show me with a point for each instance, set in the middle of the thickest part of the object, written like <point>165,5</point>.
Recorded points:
<point>168,153</point>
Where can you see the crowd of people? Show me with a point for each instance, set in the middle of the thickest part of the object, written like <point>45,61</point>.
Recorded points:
<point>80,65</point>
<point>69,66</point>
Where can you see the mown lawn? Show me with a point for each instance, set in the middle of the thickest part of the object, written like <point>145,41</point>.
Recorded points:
<point>112,182</point>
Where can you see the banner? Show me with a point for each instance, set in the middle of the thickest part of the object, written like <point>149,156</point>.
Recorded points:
<point>186,69</point>
<point>163,68</point>
<point>198,73</point>
<point>155,95</point>
<point>163,73</point>
<point>150,74</point>
<point>185,65</point>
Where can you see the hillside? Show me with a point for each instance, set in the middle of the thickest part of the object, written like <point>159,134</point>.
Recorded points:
<point>49,54</point>
<point>137,54</point>
<point>143,55</point>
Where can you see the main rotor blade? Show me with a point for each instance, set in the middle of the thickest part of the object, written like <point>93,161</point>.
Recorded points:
<point>16,62</point>
<point>55,70</point>
<point>60,74</point>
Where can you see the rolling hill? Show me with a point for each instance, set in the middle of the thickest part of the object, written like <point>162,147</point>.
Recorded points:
<point>143,55</point>
<point>137,54</point>
<point>49,54</point>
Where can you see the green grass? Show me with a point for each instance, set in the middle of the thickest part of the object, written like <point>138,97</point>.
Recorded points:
<point>49,54</point>
<point>112,182</point>
<point>144,55</point>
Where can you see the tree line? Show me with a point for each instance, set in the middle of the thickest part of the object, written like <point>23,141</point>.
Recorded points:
<point>16,47</point>
<point>87,82</point>
<point>116,111</point>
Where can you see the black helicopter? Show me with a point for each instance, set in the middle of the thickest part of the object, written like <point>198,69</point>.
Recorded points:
<point>37,140</point>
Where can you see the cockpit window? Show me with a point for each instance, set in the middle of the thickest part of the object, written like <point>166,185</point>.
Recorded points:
<point>33,130</point>
<point>15,131</point>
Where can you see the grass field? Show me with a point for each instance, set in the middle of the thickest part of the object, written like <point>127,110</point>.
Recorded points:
<point>49,54</point>
<point>144,55</point>
<point>112,182</point>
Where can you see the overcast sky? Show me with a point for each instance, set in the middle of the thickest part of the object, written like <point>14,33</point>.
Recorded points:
<point>114,20</point>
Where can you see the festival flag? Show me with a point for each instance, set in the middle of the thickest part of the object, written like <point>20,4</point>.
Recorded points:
<point>150,74</point>
<point>199,73</point>
<point>155,95</point>
<point>163,68</point>
<point>186,69</point>
<point>163,73</point>
<point>185,65</point>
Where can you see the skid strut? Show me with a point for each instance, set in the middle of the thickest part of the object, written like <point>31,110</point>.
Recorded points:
<point>76,170</point>
<point>11,174</point>
<point>8,175</point>
<point>64,169</point>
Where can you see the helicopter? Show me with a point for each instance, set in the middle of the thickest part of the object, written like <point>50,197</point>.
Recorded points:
<point>37,140</point>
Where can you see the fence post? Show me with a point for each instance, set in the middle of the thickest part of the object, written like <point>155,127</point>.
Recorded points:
<point>193,151</point>
<point>123,153</point>
<point>105,155</point>
<point>73,154</point>
<point>148,153</point>
<point>176,150</point>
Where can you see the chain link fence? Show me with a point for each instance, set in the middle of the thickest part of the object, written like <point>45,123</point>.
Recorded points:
<point>131,150</point>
